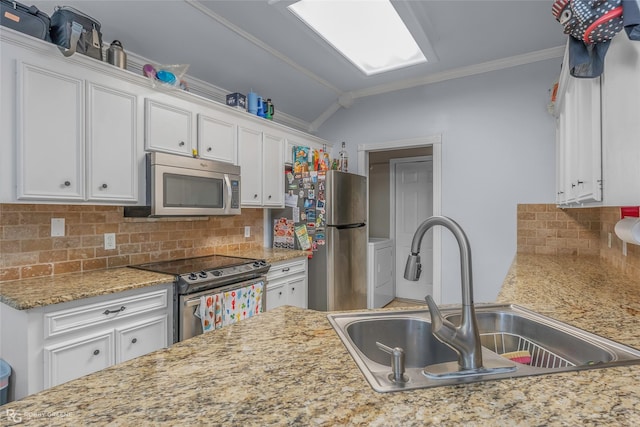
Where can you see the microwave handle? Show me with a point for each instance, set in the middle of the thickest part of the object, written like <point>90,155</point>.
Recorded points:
<point>227,205</point>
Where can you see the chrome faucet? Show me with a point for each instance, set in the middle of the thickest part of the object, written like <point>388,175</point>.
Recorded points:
<point>464,339</point>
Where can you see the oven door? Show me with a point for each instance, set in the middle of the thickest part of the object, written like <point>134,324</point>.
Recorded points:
<point>190,320</point>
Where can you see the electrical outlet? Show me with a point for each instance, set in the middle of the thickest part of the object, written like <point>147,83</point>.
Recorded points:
<point>109,241</point>
<point>609,240</point>
<point>57,227</point>
<point>247,231</point>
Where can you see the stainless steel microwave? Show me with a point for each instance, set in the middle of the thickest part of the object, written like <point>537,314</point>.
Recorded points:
<point>186,186</point>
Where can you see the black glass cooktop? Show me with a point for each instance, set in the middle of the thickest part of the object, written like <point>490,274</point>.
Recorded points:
<point>189,265</point>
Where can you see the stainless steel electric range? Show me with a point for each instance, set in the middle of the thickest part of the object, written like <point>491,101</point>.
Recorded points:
<point>202,276</point>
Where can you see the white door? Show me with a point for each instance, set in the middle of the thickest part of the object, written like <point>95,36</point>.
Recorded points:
<point>413,204</point>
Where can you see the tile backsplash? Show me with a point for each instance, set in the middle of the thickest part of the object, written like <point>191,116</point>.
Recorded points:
<point>547,229</point>
<point>28,250</point>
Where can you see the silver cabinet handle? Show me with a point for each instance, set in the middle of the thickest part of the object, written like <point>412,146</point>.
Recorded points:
<point>135,340</point>
<point>96,352</point>
<point>108,312</point>
<point>284,270</point>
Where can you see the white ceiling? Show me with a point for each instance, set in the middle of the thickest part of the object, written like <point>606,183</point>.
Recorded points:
<point>241,45</point>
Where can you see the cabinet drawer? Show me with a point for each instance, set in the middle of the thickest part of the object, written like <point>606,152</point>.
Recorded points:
<point>73,359</point>
<point>286,268</point>
<point>90,315</point>
<point>141,338</point>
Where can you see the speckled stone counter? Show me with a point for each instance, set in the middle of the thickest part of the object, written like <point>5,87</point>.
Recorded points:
<point>269,254</point>
<point>30,293</point>
<point>288,367</point>
<point>42,291</point>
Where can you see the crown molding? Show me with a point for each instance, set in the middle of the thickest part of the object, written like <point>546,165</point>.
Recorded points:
<point>471,70</point>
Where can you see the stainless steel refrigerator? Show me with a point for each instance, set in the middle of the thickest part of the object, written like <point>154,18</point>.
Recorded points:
<point>332,206</point>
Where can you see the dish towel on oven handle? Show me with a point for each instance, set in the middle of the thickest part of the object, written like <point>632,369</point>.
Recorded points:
<point>210,312</point>
<point>242,303</point>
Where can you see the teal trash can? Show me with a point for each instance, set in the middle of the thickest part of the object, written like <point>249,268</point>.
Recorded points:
<point>5,373</point>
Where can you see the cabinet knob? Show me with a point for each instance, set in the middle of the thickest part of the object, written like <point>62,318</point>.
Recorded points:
<point>293,289</point>
<point>280,293</point>
<point>209,149</point>
<point>255,196</point>
<point>104,185</point>
<point>135,340</point>
<point>67,183</point>
<point>181,144</point>
<point>269,196</point>
<point>96,352</point>
<point>580,182</point>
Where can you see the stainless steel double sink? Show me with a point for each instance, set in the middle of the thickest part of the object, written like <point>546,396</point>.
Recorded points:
<point>551,346</point>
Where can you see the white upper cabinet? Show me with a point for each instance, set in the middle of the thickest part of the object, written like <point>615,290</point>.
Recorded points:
<point>168,128</point>
<point>272,170</point>
<point>621,122</point>
<point>50,134</point>
<point>77,139</point>
<point>77,131</point>
<point>261,159</point>
<point>217,137</point>
<point>112,132</point>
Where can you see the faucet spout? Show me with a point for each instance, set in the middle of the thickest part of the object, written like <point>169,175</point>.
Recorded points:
<point>465,338</point>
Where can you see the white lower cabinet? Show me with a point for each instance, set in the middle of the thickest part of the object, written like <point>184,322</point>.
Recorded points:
<point>287,283</point>
<point>50,345</point>
<point>76,358</point>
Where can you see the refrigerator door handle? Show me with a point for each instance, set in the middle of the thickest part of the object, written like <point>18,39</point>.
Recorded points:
<point>343,227</point>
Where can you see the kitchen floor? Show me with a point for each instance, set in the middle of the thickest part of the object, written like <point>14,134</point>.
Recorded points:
<point>402,302</point>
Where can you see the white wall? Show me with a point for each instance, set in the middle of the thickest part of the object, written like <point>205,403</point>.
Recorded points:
<point>497,151</point>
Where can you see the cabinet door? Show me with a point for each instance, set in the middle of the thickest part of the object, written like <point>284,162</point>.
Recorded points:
<point>73,359</point>
<point>112,129</point>
<point>276,295</point>
<point>217,139</point>
<point>168,128</point>
<point>250,160</point>
<point>297,292</point>
<point>561,195</point>
<point>621,122</point>
<point>141,338</point>
<point>588,171</point>
<point>273,171</point>
<point>50,135</point>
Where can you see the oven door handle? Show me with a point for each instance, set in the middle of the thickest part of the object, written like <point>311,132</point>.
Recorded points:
<point>227,202</point>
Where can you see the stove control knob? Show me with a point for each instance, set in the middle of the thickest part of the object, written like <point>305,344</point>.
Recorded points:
<point>259,263</point>
<point>203,274</point>
<point>193,276</point>
<point>216,273</point>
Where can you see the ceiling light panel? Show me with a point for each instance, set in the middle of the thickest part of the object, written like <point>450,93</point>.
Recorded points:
<point>369,33</point>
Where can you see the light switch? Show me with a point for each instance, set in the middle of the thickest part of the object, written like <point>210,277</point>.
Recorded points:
<point>57,227</point>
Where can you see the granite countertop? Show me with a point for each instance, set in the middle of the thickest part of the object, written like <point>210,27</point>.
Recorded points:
<point>41,291</point>
<point>288,367</point>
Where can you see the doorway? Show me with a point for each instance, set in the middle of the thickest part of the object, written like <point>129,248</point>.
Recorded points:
<point>384,227</point>
<point>411,202</point>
